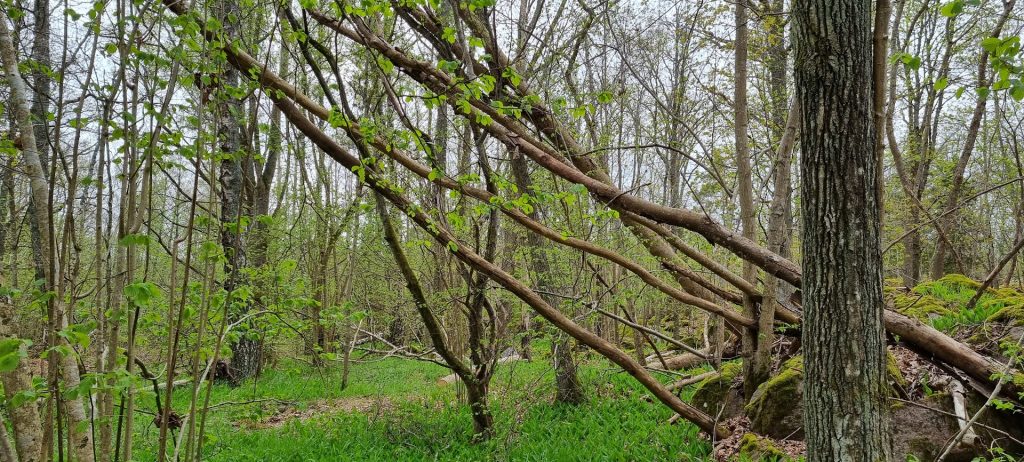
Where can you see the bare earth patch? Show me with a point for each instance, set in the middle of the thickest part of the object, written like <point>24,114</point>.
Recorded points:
<point>286,413</point>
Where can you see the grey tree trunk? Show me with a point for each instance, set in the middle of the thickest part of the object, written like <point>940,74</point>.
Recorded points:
<point>246,351</point>
<point>79,435</point>
<point>755,365</point>
<point>845,413</point>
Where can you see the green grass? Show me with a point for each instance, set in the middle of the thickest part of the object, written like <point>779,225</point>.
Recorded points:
<point>410,417</point>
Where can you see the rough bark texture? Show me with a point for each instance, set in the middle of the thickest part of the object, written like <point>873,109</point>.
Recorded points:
<point>844,343</point>
<point>246,351</point>
<point>28,431</point>
<point>79,436</point>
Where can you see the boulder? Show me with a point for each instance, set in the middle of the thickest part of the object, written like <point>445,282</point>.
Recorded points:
<point>776,408</point>
<point>721,395</point>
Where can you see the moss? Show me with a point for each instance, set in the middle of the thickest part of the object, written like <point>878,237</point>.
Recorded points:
<point>895,374</point>
<point>760,448</point>
<point>920,306</point>
<point>776,407</point>
<point>957,281</point>
<point>1008,292</point>
<point>717,385</point>
<point>953,290</point>
<point>892,285</point>
<point>1012,313</point>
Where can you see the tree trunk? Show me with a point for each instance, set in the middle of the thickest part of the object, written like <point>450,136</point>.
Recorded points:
<point>843,336</point>
<point>244,352</point>
<point>28,429</point>
<point>938,265</point>
<point>80,437</point>
<point>476,390</point>
<point>569,388</point>
<point>755,365</point>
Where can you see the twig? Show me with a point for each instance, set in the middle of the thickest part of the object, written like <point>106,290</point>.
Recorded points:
<point>653,332</point>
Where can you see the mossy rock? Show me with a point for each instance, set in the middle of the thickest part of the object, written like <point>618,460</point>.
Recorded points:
<point>1012,312</point>
<point>892,285</point>
<point>721,392</point>
<point>760,448</point>
<point>953,281</point>
<point>776,407</point>
<point>922,307</point>
<point>1009,292</point>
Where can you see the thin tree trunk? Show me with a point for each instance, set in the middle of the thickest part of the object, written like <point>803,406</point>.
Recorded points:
<point>938,265</point>
<point>476,390</point>
<point>756,365</point>
<point>568,386</point>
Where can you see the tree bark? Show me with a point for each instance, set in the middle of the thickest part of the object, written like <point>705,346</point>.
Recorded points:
<point>568,387</point>
<point>25,421</point>
<point>843,335</point>
<point>80,437</point>
<point>938,264</point>
<point>755,366</point>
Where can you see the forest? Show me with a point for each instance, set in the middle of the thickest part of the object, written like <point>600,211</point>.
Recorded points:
<point>511,230</point>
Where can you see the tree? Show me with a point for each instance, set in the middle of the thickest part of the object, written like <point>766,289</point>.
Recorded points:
<point>843,335</point>
<point>80,438</point>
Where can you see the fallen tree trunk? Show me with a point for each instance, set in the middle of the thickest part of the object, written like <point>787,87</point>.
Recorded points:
<point>678,362</point>
<point>927,341</point>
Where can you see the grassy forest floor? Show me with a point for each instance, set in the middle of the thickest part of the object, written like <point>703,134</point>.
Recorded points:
<point>393,409</point>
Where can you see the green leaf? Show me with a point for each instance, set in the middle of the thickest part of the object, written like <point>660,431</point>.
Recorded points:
<point>448,35</point>
<point>11,352</point>
<point>141,293</point>
<point>991,44</point>
<point>134,239</point>
<point>604,97</point>
<point>213,25</point>
<point>385,64</point>
<point>915,63</point>
<point>910,61</point>
<point>952,9</point>
<point>941,84</point>
<point>1017,92</point>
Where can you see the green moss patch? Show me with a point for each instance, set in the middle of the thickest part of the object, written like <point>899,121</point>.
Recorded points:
<point>760,448</point>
